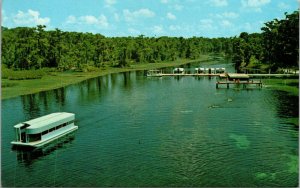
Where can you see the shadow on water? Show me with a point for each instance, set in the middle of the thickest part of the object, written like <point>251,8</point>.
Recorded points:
<point>100,87</point>
<point>60,96</point>
<point>31,104</point>
<point>29,155</point>
<point>289,107</point>
<point>127,80</point>
<point>35,105</point>
<point>178,78</point>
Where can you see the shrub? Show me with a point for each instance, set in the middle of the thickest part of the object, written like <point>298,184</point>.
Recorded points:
<point>5,72</point>
<point>87,68</point>
<point>26,74</point>
<point>3,85</point>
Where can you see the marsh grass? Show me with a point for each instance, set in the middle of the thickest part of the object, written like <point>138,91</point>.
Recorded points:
<point>22,74</point>
<point>28,82</point>
<point>289,85</point>
<point>26,75</point>
<point>5,84</point>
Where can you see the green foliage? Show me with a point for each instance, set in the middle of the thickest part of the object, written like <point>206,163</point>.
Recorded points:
<point>4,84</point>
<point>254,63</point>
<point>35,48</point>
<point>87,68</point>
<point>277,46</point>
<point>281,40</point>
<point>24,74</point>
<point>5,72</point>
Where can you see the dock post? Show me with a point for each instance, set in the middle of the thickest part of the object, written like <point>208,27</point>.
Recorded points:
<point>217,85</point>
<point>227,85</point>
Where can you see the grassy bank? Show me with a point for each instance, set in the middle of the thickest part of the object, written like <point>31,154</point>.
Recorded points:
<point>289,85</point>
<point>14,88</point>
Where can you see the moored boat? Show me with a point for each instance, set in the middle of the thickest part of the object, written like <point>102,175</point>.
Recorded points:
<point>178,71</point>
<point>199,70</point>
<point>155,73</point>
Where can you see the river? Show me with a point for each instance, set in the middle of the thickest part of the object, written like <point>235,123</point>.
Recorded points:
<point>169,131</point>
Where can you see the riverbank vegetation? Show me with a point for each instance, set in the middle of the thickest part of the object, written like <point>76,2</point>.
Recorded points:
<point>34,59</point>
<point>26,48</point>
<point>277,47</point>
<point>290,86</point>
<point>53,80</point>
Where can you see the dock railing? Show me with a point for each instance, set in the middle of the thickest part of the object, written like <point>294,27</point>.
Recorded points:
<point>238,83</point>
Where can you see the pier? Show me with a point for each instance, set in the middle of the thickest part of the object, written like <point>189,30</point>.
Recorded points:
<point>184,74</point>
<point>226,79</point>
<point>273,75</point>
<point>159,73</point>
<point>243,83</point>
<point>222,75</point>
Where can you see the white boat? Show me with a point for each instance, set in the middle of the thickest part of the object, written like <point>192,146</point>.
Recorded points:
<point>154,73</point>
<point>178,71</point>
<point>199,70</point>
<point>207,70</point>
<point>40,131</point>
<point>220,70</point>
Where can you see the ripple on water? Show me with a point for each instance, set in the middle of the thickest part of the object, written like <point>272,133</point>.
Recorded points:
<point>144,132</point>
<point>241,141</point>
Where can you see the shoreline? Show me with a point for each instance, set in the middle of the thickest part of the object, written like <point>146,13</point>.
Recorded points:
<point>57,80</point>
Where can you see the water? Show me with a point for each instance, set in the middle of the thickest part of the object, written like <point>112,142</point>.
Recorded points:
<point>139,131</point>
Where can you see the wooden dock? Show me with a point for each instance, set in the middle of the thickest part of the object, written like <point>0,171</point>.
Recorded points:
<point>222,75</point>
<point>238,83</point>
<point>185,74</point>
<point>273,75</point>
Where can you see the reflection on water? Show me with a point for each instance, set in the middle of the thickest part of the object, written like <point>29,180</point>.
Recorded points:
<point>30,155</point>
<point>169,131</point>
<point>31,104</point>
<point>34,105</point>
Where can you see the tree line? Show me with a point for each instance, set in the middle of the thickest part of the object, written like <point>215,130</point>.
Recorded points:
<point>35,48</point>
<point>277,46</point>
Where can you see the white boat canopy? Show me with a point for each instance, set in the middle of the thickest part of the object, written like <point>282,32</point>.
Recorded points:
<point>47,122</point>
<point>238,76</point>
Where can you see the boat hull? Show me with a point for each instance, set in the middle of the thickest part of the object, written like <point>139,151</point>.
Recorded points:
<point>41,143</point>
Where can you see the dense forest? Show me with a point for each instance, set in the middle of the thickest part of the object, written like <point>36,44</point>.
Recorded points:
<point>276,47</point>
<point>36,48</point>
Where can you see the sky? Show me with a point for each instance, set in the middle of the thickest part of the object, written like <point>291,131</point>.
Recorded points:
<point>153,18</point>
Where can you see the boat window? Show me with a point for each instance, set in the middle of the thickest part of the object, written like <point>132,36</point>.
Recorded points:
<point>70,122</point>
<point>34,137</point>
<point>44,132</point>
<point>52,129</point>
<point>23,137</point>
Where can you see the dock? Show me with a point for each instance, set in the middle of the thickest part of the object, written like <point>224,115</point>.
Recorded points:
<point>226,79</point>
<point>243,83</point>
<point>273,75</point>
<point>222,75</point>
<point>185,74</point>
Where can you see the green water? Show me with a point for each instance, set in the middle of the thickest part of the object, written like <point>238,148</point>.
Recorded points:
<point>139,131</point>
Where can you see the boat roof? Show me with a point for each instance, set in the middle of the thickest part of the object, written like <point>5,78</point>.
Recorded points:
<point>19,125</point>
<point>236,75</point>
<point>47,122</point>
